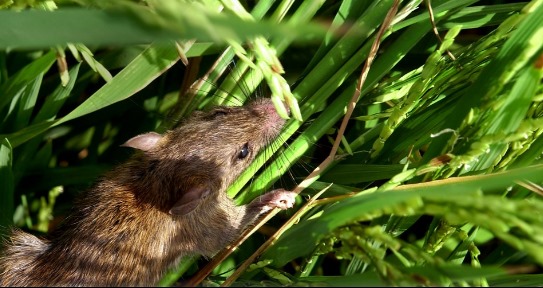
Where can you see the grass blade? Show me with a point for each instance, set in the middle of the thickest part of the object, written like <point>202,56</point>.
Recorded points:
<point>7,187</point>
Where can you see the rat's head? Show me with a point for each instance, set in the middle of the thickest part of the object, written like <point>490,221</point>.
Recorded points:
<point>213,147</point>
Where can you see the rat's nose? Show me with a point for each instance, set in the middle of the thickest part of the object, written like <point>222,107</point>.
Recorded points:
<point>266,106</point>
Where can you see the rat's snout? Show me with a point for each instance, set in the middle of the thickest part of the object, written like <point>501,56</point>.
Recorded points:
<point>271,121</point>
<point>265,106</point>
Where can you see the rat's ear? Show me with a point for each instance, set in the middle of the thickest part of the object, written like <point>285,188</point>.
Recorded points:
<point>189,200</point>
<point>143,142</point>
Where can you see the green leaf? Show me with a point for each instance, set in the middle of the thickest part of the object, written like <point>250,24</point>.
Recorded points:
<point>26,75</point>
<point>31,29</point>
<point>454,272</point>
<point>481,16</point>
<point>54,102</point>
<point>508,116</point>
<point>416,273</point>
<point>359,173</point>
<point>7,186</point>
<point>26,156</point>
<point>301,239</point>
<point>517,51</point>
<point>518,280</point>
<point>146,67</point>
<point>27,102</point>
<point>368,279</point>
<point>138,74</point>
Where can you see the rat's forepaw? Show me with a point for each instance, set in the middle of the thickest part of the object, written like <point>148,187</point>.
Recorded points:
<point>279,198</point>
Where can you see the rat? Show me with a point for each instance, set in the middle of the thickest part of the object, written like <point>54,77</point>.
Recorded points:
<point>166,202</point>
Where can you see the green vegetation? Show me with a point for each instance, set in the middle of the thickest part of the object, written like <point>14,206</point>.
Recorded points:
<point>437,176</point>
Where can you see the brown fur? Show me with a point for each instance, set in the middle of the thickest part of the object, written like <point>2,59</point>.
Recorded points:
<point>121,231</point>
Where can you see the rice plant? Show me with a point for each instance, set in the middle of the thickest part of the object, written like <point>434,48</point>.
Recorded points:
<point>413,135</point>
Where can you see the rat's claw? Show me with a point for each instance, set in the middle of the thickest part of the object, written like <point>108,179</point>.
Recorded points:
<point>280,198</point>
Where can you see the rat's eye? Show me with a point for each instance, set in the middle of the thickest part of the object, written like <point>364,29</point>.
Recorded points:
<point>244,151</point>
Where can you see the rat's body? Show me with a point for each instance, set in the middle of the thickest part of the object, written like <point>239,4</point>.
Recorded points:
<point>165,203</point>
